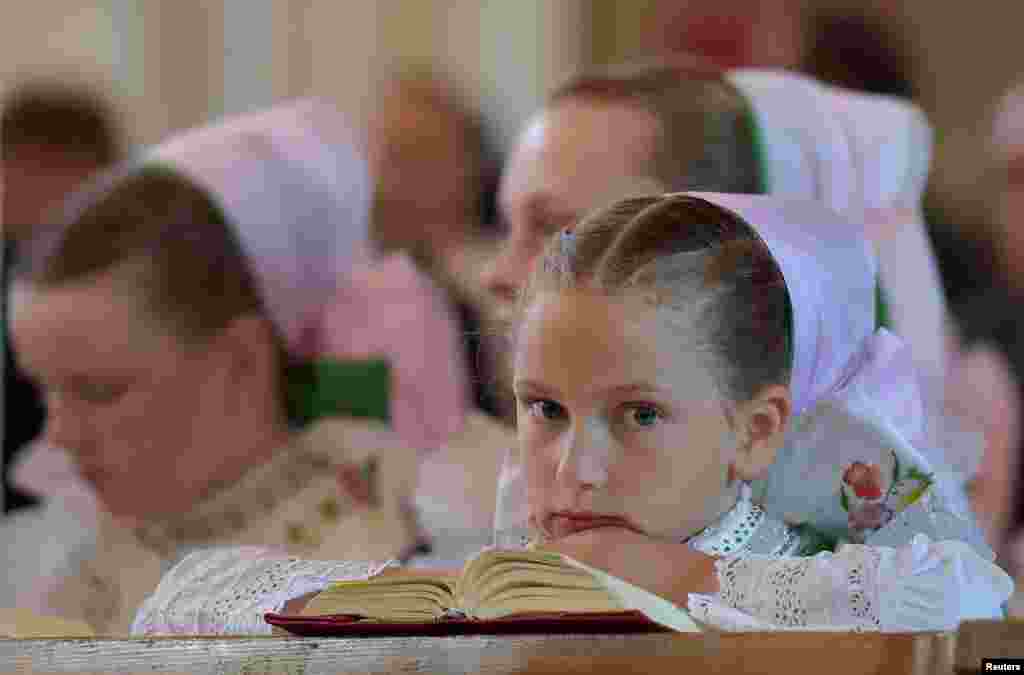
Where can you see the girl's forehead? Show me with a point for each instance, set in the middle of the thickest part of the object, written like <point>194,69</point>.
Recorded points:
<point>621,313</point>
<point>622,336</point>
<point>105,312</point>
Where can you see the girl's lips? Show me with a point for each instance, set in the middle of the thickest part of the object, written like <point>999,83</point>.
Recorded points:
<point>564,524</point>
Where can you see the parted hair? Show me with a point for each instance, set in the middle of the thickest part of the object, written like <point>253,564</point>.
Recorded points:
<point>187,261</point>
<point>703,265</point>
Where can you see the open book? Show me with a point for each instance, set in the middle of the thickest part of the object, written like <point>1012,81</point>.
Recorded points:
<point>497,591</point>
<point>492,585</point>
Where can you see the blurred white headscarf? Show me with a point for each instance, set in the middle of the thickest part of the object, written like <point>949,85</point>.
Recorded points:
<point>867,157</point>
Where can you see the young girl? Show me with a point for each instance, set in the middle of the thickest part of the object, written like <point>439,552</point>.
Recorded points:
<point>662,353</point>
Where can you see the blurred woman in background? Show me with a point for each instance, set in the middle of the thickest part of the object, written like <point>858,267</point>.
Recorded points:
<point>989,374</point>
<point>436,178</point>
<point>198,321</point>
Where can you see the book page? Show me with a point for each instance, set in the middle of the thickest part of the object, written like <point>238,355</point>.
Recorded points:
<point>656,609</point>
<point>394,595</point>
<point>499,583</point>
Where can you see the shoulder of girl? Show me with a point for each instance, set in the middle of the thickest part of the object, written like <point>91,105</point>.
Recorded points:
<point>344,439</point>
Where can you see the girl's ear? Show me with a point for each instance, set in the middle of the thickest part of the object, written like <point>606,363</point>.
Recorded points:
<point>248,340</point>
<point>761,426</point>
<point>248,353</point>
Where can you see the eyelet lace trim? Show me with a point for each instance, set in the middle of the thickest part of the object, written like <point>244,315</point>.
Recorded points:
<point>746,529</point>
<point>228,591</point>
<point>826,591</point>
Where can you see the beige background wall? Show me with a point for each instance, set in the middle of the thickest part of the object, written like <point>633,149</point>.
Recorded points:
<point>177,63</point>
<point>174,64</point>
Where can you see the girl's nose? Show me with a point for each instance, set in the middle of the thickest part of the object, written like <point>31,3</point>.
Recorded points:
<point>502,278</point>
<point>509,270</point>
<point>586,456</point>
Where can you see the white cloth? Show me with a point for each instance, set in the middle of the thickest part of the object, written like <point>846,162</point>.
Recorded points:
<point>227,591</point>
<point>298,194</point>
<point>923,586</point>
<point>867,157</point>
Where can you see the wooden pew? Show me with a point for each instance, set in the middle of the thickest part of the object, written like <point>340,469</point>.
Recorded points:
<point>791,653</point>
<point>977,640</point>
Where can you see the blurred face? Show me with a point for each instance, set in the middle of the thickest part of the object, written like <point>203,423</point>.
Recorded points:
<point>572,159</point>
<point>618,423</point>
<point>983,394</point>
<point>422,168</point>
<point>138,412</point>
<point>35,181</point>
<point>1011,218</point>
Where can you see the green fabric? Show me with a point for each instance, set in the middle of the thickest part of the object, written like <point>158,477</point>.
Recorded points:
<point>814,541</point>
<point>757,148</point>
<point>882,317</point>
<point>328,387</point>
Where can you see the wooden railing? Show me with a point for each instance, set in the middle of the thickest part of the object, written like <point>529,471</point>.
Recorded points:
<point>793,652</point>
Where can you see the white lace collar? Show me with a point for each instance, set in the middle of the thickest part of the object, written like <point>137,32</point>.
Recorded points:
<point>744,529</point>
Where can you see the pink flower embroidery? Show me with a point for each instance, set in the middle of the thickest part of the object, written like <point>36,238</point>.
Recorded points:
<point>864,479</point>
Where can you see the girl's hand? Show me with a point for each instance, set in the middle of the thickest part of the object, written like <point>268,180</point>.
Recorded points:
<point>667,569</point>
<point>296,605</point>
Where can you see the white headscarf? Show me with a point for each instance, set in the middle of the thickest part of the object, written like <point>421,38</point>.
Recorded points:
<point>867,157</point>
<point>297,193</point>
<point>859,401</point>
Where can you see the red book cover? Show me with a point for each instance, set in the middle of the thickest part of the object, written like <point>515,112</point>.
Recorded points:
<point>546,624</point>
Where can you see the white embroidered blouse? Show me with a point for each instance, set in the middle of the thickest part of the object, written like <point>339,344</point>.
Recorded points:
<point>923,586</point>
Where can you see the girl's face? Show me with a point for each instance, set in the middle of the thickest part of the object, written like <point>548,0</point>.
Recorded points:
<point>137,411</point>
<point>619,423</point>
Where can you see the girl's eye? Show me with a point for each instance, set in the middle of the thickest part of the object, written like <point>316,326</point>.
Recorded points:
<point>545,409</point>
<point>642,416</point>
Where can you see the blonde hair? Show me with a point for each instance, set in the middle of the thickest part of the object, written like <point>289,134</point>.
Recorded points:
<point>692,258</point>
